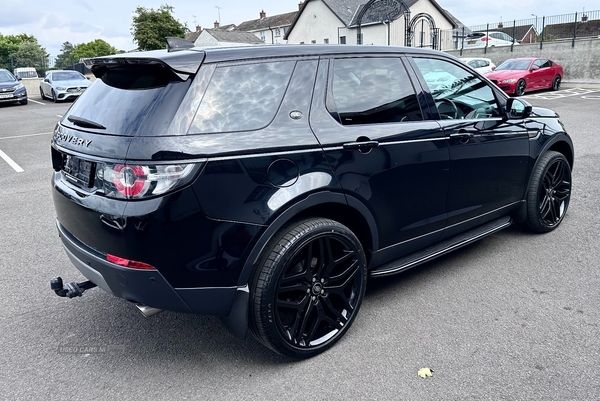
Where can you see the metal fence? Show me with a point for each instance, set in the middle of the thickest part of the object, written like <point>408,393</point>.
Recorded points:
<point>40,66</point>
<point>537,29</point>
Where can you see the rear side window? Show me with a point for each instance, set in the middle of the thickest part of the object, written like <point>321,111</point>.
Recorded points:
<point>373,91</point>
<point>132,100</point>
<point>242,97</point>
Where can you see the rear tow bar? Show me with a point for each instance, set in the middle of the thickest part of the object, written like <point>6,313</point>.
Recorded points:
<point>70,290</point>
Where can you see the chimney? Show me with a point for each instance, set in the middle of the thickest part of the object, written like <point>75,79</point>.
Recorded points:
<point>216,24</point>
<point>198,28</point>
<point>300,5</point>
<point>263,14</point>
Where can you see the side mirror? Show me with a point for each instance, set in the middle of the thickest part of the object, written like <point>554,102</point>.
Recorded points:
<point>517,109</point>
<point>534,68</point>
<point>19,78</point>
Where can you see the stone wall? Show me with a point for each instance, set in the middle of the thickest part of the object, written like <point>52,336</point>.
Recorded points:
<point>580,63</point>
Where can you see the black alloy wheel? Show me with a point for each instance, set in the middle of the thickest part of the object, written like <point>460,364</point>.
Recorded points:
<point>556,83</point>
<point>54,98</point>
<point>549,193</point>
<point>42,93</point>
<point>308,288</point>
<point>520,89</point>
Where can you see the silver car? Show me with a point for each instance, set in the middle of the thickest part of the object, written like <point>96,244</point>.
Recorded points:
<point>63,85</point>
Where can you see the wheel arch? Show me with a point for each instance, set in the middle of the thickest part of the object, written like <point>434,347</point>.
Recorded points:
<point>346,210</point>
<point>564,148</point>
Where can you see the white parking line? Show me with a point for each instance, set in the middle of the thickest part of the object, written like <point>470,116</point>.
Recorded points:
<point>25,136</point>
<point>35,101</point>
<point>11,162</point>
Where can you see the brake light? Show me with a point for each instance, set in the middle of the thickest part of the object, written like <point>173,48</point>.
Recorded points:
<point>138,181</point>
<point>485,39</point>
<point>130,181</point>
<point>132,264</point>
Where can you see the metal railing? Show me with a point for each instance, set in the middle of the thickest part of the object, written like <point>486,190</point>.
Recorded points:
<point>538,29</point>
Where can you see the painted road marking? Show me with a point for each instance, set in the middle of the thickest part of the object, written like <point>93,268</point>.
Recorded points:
<point>35,101</point>
<point>11,162</point>
<point>560,94</point>
<point>25,136</point>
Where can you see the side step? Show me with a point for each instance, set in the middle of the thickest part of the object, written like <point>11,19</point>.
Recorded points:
<point>449,245</point>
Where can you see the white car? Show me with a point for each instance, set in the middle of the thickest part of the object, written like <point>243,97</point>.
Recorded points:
<point>63,85</point>
<point>480,64</point>
<point>491,39</point>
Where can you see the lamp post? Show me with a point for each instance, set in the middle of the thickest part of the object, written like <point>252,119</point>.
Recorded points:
<point>536,27</point>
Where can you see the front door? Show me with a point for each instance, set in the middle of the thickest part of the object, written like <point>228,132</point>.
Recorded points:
<point>489,154</point>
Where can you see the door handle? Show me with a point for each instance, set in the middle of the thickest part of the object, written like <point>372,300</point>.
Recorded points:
<point>361,146</point>
<point>462,135</point>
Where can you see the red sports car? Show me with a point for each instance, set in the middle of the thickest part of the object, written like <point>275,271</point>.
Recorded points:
<point>516,76</point>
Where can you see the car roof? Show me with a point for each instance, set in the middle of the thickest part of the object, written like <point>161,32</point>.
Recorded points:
<point>188,60</point>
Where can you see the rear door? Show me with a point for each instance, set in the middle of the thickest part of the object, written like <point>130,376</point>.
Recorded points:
<point>384,151</point>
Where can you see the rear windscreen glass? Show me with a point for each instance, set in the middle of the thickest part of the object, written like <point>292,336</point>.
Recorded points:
<point>131,100</point>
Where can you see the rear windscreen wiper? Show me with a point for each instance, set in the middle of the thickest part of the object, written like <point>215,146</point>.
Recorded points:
<point>82,122</point>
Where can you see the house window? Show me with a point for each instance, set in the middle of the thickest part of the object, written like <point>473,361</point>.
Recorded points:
<point>326,41</point>
<point>313,41</point>
<point>262,36</point>
<point>277,32</point>
<point>342,40</point>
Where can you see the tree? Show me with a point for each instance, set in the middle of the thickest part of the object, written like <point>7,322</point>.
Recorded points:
<point>65,57</point>
<point>9,44</point>
<point>150,27</point>
<point>95,48</point>
<point>30,54</point>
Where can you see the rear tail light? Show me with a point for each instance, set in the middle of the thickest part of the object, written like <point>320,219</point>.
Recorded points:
<point>132,264</point>
<point>138,181</point>
<point>485,39</point>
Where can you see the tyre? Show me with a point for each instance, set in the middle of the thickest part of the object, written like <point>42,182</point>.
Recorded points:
<point>23,102</point>
<point>54,99</point>
<point>42,93</point>
<point>307,288</point>
<point>520,89</point>
<point>549,193</point>
<point>556,83</point>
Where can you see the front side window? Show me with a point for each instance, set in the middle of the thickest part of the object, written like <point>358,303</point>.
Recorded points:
<point>242,97</point>
<point>458,94</point>
<point>373,91</point>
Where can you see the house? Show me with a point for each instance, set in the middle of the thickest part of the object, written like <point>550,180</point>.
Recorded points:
<point>580,29</point>
<point>221,36</point>
<point>386,22</point>
<point>270,30</point>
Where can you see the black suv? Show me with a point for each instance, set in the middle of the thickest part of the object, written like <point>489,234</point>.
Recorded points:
<point>265,184</point>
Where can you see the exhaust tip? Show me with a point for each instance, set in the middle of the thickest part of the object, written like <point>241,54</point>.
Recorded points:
<point>148,311</point>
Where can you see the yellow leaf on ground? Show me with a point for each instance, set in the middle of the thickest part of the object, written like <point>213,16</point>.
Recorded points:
<point>425,372</point>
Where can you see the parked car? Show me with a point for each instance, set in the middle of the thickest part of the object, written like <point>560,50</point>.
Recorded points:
<point>266,185</point>
<point>63,85</point>
<point>25,73</point>
<point>11,90</point>
<point>516,76</point>
<point>480,64</point>
<point>489,39</point>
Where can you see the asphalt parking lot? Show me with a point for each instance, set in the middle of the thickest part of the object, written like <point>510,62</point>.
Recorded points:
<point>512,317</point>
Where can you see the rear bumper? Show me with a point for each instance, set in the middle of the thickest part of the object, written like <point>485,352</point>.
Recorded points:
<point>146,287</point>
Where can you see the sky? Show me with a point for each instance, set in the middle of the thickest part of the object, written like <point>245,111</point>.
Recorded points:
<point>80,21</point>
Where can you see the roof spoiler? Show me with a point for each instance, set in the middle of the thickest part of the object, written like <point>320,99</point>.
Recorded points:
<point>174,44</point>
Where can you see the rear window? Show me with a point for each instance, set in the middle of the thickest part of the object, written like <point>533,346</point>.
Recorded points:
<point>242,97</point>
<point>131,100</point>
